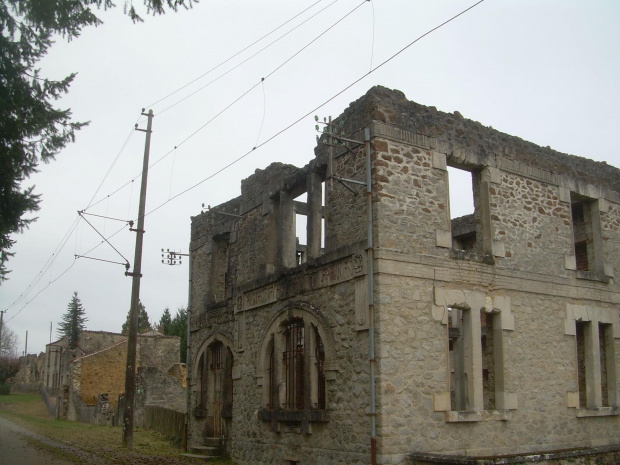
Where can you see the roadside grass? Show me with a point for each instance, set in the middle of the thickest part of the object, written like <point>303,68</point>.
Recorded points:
<point>29,411</point>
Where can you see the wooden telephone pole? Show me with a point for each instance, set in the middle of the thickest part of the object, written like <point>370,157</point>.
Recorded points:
<point>132,341</point>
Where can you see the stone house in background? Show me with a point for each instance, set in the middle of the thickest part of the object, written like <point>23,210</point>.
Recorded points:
<point>58,355</point>
<point>493,334</point>
<point>28,377</point>
<point>97,366</point>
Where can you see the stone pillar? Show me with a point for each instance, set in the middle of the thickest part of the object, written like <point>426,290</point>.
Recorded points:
<point>597,238</point>
<point>594,396</point>
<point>486,231</point>
<point>498,362</point>
<point>286,232</point>
<point>473,358</point>
<point>315,216</point>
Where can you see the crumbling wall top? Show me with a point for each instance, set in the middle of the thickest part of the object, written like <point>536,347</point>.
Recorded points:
<point>268,180</point>
<point>392,107</point>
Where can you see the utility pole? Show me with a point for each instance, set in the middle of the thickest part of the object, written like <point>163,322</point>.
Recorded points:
<point>1,317</point>
<point>132,341</point>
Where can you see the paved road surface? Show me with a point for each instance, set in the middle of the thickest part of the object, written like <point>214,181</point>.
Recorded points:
<point>15,449</point>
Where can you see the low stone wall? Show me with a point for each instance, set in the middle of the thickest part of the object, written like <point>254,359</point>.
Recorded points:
<point>25,388</point>
<point>593,456</point>
<point>50,397</point>
<point>170,423</point>
<point>86,415</point>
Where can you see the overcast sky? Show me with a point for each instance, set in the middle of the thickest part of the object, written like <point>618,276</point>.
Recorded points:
<point>544,70</point>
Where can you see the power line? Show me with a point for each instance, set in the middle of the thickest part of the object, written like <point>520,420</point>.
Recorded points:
<point>246,60</point>
<point>271,138</point>
<point>314,110</point>
<point>238,53</point>
<point>239,98</point>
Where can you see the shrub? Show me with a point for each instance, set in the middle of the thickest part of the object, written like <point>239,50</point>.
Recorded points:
<point>5,389</point>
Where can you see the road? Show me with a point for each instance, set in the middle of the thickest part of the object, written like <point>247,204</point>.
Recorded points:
<point>15,447</point>
<point>20,446</point>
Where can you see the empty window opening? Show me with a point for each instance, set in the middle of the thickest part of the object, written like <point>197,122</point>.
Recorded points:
<point>462,208</point>
<point>300,205</point>
<point>587,239</point>
<point>296,380</point>
<point>488,360</point>
<point>581,361</point>
<point>581,233</point>
<point>473,385</point>
<point>606,346</point>
<point>456,348</point>
<point>294,365</point>
<point>273,391</point>
<point>319,357</point>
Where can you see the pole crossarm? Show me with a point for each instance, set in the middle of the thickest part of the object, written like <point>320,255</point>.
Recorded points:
<point>81,213</point>
<point>169,257</point>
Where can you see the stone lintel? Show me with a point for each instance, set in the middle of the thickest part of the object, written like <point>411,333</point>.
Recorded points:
<point>495,175</point>
<point>439,161</point>
<point>443,238</point>
<point>499,248</point>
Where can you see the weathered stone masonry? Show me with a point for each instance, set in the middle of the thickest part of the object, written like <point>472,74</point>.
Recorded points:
<point>496,334</point>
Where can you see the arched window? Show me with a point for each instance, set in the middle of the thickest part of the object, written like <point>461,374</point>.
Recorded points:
<point>299,382</point>
<point>296,361</point>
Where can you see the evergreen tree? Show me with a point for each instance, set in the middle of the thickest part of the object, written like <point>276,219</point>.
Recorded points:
<point>165,321</point>
<point>144,324</point>
<point>31,128</point>
<point>73,321</point>
<point>178,327</point>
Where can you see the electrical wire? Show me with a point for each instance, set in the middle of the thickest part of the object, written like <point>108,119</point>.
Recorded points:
<point>314,110</point>
<point>264,112</point>
<point>45,267</point>
<point>271,138</point>
<point>239,98</point>
<point>239,52</point>
<point>111,166</point>
<point>246,60</point>
<point>372,47</point>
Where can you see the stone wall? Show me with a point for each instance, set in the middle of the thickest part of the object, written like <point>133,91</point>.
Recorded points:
<point>102,372</point>
<point>158,351</point>
<point>30,369</point>
<point>518,372</point>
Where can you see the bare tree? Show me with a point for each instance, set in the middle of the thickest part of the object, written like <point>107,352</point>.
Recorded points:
<point>8,342</point>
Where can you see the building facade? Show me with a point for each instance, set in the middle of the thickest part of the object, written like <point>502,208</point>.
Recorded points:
<point>334,323</point>
<point>97,365</point>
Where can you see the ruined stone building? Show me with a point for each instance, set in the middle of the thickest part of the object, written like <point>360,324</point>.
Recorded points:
<point>80,375</point>
<point>497,333</point>
<point>28,377</point>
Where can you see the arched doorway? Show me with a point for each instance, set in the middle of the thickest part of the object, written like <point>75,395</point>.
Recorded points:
<point>215,395</point>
